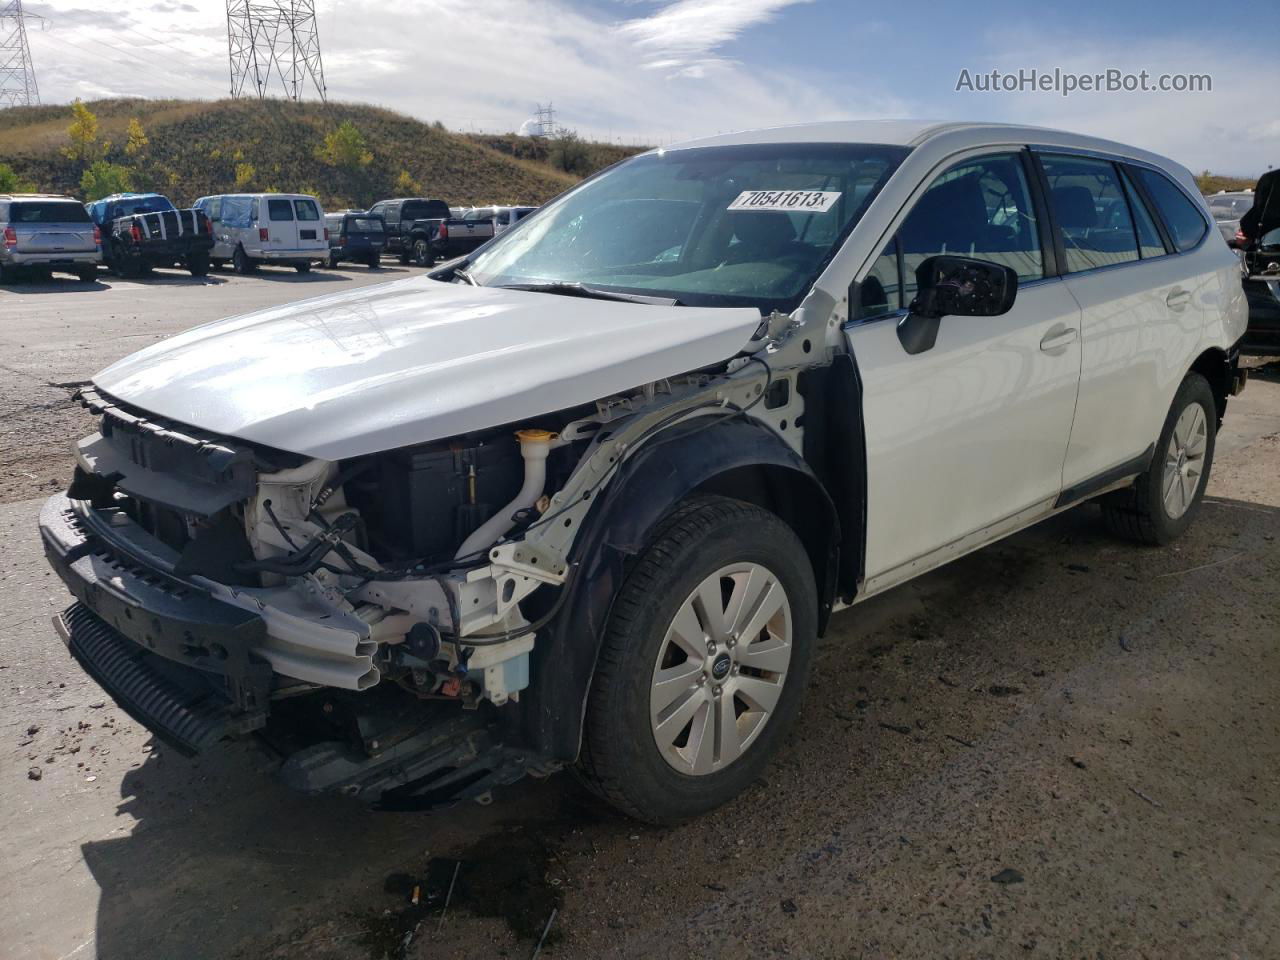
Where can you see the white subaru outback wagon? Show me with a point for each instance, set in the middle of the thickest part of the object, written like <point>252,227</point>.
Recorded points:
<point>587,497</point>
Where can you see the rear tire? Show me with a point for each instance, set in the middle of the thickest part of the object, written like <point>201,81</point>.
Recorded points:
<point>333,262</point>
<point>198,264</point>
<point>87,274</point>
<point>705,579</point>
<point>374,263</point>
<point>422,254</point>
<point>1164,500</point>
<point>242,263</point>
<point>217,263</point>
<point>404,259</point>
<point>302,267</point>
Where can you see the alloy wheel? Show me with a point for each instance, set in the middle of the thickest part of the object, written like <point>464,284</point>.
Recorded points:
<point>721,668</point>
<point>1184,461</point>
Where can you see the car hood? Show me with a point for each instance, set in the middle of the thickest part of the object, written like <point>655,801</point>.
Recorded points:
<point>413,361</point>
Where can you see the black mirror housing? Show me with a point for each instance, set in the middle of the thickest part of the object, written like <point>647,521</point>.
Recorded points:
<point>955,286</point>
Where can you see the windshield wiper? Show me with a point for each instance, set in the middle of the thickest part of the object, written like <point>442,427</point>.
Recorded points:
<point>569,289</point>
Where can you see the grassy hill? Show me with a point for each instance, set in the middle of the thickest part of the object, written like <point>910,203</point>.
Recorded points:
<point>203,147</point>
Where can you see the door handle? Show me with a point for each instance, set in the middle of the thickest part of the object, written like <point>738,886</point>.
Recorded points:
<point>1177,298</point>
<point>1059,339</point>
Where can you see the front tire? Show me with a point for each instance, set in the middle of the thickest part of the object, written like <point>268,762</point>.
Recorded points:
<point>241,262</point>
<point>302,267</point>
<point>87,274</point>
<point>1161,504</point>
<point>198,264</point>
<point>703,664</point>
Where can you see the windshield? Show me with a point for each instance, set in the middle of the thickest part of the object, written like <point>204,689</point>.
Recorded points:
<point>711,226</point>
<point>1230,206</point>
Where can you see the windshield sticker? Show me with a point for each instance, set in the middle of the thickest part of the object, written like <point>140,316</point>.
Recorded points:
<point>787,201</point>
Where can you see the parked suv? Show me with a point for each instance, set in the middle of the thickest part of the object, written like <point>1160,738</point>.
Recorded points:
<point>41,232</point>
<point>589,496</point>
<point>250,229</point>
<point>355,237</point>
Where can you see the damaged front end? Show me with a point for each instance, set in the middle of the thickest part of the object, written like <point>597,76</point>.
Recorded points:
<point>372,619</point>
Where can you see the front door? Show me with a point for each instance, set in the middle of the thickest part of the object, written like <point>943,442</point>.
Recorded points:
<point>969,436</point>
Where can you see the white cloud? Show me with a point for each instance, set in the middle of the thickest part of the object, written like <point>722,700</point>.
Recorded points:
<point>684,34</point>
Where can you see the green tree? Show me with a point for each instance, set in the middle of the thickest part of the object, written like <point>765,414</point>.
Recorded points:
<point>10,182</point>
<point>345,148</point>
<point>103,179</point>
<point>244,175</point>
<point>569,153</point>
<point>137,138</point>
<point>85,147</point>
<point>406,186</point>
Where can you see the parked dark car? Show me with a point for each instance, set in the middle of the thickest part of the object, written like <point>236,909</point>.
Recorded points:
<point>411,225</point>
<point>141,231</point>
<point>355,238</point>
<point>1262,287</point>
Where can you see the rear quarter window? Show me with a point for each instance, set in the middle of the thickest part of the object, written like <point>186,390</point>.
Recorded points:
<point>45,211</point>
<point>425,210</point>
<point>1186,225</point>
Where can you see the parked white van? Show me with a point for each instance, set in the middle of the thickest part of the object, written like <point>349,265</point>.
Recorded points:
<point>254,228</point>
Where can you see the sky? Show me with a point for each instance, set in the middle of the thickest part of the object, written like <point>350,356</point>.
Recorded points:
<point>658,71</point>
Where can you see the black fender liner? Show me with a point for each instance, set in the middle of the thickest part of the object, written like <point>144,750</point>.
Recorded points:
<point>736,457</point>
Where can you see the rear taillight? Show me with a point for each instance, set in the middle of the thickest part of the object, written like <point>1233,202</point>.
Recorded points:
<point>443,231</point>
<point>208,227</point>
<point>135,233</point>
<point>97,234</point>
<point>10,237</point>
<point>326,234</point>
<point>342,241</point>
<point>263,235</point>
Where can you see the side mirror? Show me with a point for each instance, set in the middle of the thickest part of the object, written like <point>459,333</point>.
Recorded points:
<point>955,286</point>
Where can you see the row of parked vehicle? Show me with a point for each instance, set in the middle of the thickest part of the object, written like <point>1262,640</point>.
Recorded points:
<point>133,233</point>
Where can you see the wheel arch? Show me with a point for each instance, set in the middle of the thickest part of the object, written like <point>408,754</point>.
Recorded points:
<point>738,458</point>
<point>1215,365</point>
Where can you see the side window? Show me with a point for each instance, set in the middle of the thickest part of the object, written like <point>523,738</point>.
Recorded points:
<point>279,209</point>
<point>979,208</point>
<point>881,292</point>
<point>213,209</point>
<point>254,210</point>
<point>306,210</point>
<point>1149,242</point>
<point>1186,225</point>
<point>1092,212</point>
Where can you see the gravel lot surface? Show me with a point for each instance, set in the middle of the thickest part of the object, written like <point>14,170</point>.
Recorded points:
<point>1060,746</point>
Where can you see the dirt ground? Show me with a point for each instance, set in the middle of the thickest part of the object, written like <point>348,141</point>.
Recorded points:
<point>1060,746</point>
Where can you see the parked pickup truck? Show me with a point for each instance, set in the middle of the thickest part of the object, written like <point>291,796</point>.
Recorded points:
<point>411,226</point>
<point>141,231</point>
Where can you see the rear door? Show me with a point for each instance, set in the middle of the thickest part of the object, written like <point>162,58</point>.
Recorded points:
<point>51,227</point>
<point>1142,316</point>
<point>964,440</point>
<point>282,228</point>
<point>310,225</point>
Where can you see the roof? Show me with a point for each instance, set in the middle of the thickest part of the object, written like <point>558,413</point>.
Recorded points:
<point>914,133</point>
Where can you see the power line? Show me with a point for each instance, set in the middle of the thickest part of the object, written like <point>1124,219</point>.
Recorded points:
<point>272,42</point>
<point>17,73</point>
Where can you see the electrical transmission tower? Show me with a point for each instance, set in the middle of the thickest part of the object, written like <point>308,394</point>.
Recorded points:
<point>545,118</point>
<point>17,73</point>
<point>274,42</point>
